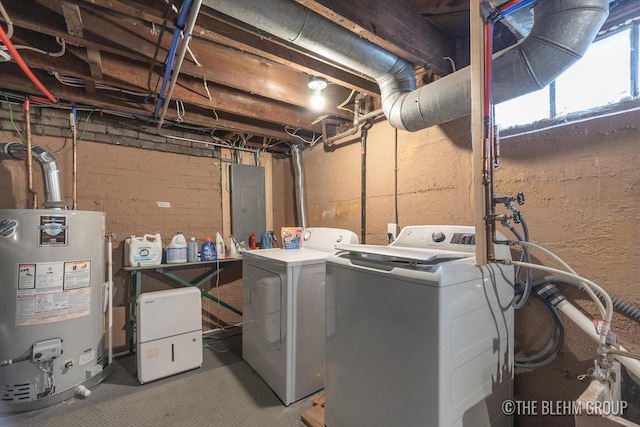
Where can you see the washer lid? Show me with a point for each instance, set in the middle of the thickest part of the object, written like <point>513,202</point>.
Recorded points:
<point>390,253</point>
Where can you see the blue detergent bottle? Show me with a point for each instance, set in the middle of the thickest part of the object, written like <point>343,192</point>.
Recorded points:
<point>266,241</point>
<point>208,250</point>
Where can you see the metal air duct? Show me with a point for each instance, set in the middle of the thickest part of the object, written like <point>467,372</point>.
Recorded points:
<point>561,33</point>
<point>49,166</point>
<point>298,168</point>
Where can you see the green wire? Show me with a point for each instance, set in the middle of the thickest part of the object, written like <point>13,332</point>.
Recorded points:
<point>84,129</point>
<point>11,118</point>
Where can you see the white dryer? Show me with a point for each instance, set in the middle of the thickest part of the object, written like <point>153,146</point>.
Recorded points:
<point>283,312</point>
<point>417,334</point>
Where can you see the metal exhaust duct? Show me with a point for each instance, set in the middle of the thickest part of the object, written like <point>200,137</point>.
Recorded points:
<point>49,166</point>
<point>561,33</point>
<point>298,168</point>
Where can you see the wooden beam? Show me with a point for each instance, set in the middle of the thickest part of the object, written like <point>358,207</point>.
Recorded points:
<point>14,80</point>
<point>95,63</point>
<point>242,39</point>
<point>73,19</point>
<point>477,130</point>
<point>391,25</point>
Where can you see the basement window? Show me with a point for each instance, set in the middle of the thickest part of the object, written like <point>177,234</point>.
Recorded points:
<point>606,76</point>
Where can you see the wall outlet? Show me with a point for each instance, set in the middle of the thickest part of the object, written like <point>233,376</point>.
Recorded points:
<point>392,231</point>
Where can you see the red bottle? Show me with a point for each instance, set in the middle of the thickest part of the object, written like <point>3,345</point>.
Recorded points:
<point>252,241</point>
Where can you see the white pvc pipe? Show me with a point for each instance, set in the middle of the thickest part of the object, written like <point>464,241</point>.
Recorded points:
<point>586,325</point>
<point>110,293</point>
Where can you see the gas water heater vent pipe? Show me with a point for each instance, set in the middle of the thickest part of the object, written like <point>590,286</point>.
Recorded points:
<point>561,33</point>
<point>49,166</point>
<point>298,169</point>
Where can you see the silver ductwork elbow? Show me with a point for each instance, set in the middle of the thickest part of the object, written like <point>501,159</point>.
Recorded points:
<point>561,33</point>
<point>298,169</point>
<point>48,165</point>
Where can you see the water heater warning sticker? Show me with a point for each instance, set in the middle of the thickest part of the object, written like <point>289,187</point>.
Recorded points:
<point>53,230</point>
<point>77,274</point>
<point>51,292</point>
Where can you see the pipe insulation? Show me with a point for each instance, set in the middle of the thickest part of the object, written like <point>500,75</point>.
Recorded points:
<point>561,33</point>
<point>298,169</point>
<point>49,166</point>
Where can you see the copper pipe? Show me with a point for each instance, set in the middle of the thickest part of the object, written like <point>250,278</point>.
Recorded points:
<point>27,120</point>
<point>357,119</point>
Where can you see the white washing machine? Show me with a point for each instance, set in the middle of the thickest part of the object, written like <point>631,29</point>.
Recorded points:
<point>283,329</point>
<point>417,334</point>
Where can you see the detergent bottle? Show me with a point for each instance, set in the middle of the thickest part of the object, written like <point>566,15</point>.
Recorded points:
<point>142,251</point>
<point>177,249</point>
<point>208,250</point>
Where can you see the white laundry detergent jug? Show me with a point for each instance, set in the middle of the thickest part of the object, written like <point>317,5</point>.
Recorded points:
<point>177,249</point>
<point>141,251</point>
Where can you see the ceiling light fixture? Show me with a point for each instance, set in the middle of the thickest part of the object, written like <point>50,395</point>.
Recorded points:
<point>317,84</point>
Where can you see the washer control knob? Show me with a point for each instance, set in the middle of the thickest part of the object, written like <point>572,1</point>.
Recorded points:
<point>438,236</point>
<point>306,235</point>
<point>339,239</point>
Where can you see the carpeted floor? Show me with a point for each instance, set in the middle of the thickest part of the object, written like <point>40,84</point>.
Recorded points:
<point>227,396</point>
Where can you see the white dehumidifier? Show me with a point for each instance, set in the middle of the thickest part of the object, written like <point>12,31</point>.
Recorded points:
<point>169,326</point>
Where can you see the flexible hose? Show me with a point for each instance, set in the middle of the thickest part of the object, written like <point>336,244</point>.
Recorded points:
<point>527,258</point>
<point>587,289</point>
<point>604,331</point>
<point>625,307</point>
<point>557,328</point>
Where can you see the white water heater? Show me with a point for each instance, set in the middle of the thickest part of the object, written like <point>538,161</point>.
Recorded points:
<point>52,271</point>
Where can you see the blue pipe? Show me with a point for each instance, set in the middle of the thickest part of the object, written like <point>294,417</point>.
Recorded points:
<point>73,111</point>
<point>180,21</point>
<point>515,7</point>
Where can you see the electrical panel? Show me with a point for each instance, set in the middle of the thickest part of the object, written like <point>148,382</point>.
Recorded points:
<point>248,209</point>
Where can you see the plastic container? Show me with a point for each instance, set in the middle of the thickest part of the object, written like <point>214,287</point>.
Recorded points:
<point>192,250</point>
<point>266,241</point>
<point>141,251</point>
<point>208,250</point>
<point>177,249</point>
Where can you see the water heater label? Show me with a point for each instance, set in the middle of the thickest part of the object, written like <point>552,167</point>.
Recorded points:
<point>51,292</point>
<point>7,227</point>
<point>53,230</point>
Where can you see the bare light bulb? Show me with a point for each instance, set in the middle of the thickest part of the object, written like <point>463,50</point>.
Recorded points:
<point>317,100</point>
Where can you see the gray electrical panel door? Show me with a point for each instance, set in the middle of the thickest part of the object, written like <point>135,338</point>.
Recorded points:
<point>248,211</point>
